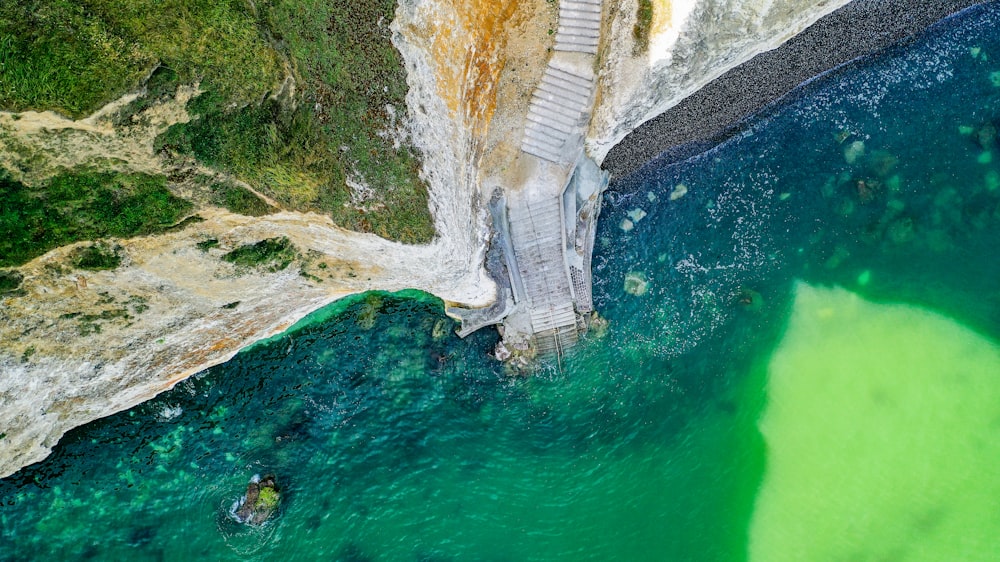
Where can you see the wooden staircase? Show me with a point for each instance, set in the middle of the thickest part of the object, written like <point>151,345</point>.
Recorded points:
<point>579,26</point>
<point>557,121</point>
<point>558,115</point>
<point>536,229</point>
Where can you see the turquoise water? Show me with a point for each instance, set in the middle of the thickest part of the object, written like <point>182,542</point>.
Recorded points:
<point>660,440</point>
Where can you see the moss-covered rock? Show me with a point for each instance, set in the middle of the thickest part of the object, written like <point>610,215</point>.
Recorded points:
<point>260,502</point>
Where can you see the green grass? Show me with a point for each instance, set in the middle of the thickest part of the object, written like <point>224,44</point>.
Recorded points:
<point>273,254</point>
<point>349,72</point>
<point>74,56</point>
<point>240,200</point>
<point>85,206</point>
<point>643,23</point>
<point>54,56</point>
<point>78,55</point>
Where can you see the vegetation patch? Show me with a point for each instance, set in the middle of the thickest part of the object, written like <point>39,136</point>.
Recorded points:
<point>643,24</point>
<point>352,86</point>
<point>74,56</point>
<point>206,245</point>
<point>10,281</point>
<point>188,221</point>
<point>341,129</point>
<point>97,257</point>
<point>240,200</point>
<point>91,323</point>
<point>73,207</point>
<point>273,254</point>
<point>160,86</point>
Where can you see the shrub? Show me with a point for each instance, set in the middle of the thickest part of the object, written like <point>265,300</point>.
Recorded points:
<point>10,281</point>
<point>97,257</point>
<point>274,254</point>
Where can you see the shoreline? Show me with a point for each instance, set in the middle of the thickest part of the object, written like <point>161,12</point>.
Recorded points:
<point>715,112</point>
<point>179,338</point>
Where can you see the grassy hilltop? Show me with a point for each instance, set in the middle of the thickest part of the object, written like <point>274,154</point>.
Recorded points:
<point>301,149</point>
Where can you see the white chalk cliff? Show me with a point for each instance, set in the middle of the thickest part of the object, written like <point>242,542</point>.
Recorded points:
<point>471,65</point>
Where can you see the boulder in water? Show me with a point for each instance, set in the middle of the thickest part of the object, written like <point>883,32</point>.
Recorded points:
<point>260,502</point>
<point>750,299</point>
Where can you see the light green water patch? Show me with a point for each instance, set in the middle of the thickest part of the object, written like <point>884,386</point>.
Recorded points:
<point>883,436</point>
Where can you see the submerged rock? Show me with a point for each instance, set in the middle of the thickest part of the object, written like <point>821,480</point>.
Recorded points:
<point>867,190</point>
<point>750,299</point>
<point>636,283</point>
<point>636,215</point>
<point>901,230</point>
<point>598,325</point>
<point>882,163</point>
<point>854,151</point>
<point>986,136</point>
<point>260,502</point>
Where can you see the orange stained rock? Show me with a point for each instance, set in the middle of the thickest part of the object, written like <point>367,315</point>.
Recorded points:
<point>476,35</point>
<point>663,17</point>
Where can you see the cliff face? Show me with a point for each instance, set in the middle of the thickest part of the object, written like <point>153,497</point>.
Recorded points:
<point>691,42</point>
<point>78,345</point>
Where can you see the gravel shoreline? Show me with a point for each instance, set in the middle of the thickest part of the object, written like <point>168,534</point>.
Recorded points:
<point>714,112</point>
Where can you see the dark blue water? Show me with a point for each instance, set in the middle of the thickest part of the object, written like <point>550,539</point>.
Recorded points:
<point>395,440</point>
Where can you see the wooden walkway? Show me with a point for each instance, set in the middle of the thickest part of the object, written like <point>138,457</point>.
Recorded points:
<point>539,227</point>
<point>537,233</point>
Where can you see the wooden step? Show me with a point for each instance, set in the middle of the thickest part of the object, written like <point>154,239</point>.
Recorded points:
<point>585,23</point>
<point>562,74</point>
<point>573,48</point>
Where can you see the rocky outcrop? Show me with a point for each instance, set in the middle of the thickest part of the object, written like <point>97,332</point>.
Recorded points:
<point>78,345</point>
<point>260,502</point>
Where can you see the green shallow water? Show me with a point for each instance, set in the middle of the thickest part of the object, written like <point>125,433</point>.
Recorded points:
<point>881,426</point>
<point>680,434</point>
